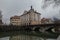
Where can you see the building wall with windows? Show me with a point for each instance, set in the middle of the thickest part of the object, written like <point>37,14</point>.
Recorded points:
<point>30,17</point>
<point>46,21</point>
<point>15,20</point>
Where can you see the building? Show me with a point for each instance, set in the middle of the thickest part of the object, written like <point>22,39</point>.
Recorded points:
<point>46,21</point>
<point>15,20</point>
<point>30,17</point>
<point>1,18</point>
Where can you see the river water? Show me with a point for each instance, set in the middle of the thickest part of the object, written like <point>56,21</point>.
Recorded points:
<point>23,37</point>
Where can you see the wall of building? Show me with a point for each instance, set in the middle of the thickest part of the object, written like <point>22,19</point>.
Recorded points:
<point>46,21</point>
<point>15,21</point>
<point>30,18</point>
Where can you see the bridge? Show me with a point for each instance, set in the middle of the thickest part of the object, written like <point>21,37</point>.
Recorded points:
<point>32,27</point>
<point>8,30</point>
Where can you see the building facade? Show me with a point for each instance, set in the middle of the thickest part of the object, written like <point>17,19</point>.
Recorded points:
<point>15,20</point>
<point>46,21</point>
<point>30,17</point>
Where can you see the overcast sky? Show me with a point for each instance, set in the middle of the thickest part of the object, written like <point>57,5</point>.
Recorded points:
<point>47,8</point>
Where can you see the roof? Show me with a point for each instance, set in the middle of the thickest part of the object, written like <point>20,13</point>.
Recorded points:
<point>27,12</point>
<point>44,19</point>
<point>15,17</point>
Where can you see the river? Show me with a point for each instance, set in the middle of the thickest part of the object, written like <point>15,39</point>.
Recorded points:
<point>25,36</point>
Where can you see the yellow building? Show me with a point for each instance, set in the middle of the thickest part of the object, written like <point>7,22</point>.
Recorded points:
<point>15,20</point>
<point>30,17</point>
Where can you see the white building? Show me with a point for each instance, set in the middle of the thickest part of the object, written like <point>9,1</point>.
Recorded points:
<point>30,17</point>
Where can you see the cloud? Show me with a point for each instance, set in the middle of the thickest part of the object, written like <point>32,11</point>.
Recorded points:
<point>49,2</point>
<point>52,7</point>
<point>16,7</point>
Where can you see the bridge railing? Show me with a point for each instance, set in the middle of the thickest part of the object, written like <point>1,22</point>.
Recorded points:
<point>15,27</point>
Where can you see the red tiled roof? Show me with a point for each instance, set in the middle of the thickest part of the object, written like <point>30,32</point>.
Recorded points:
<point>44,19</point>
<point>15,17</point>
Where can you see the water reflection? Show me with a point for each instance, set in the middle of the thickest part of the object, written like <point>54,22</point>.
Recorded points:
<point>25,35</point>
<point>5,38</point>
